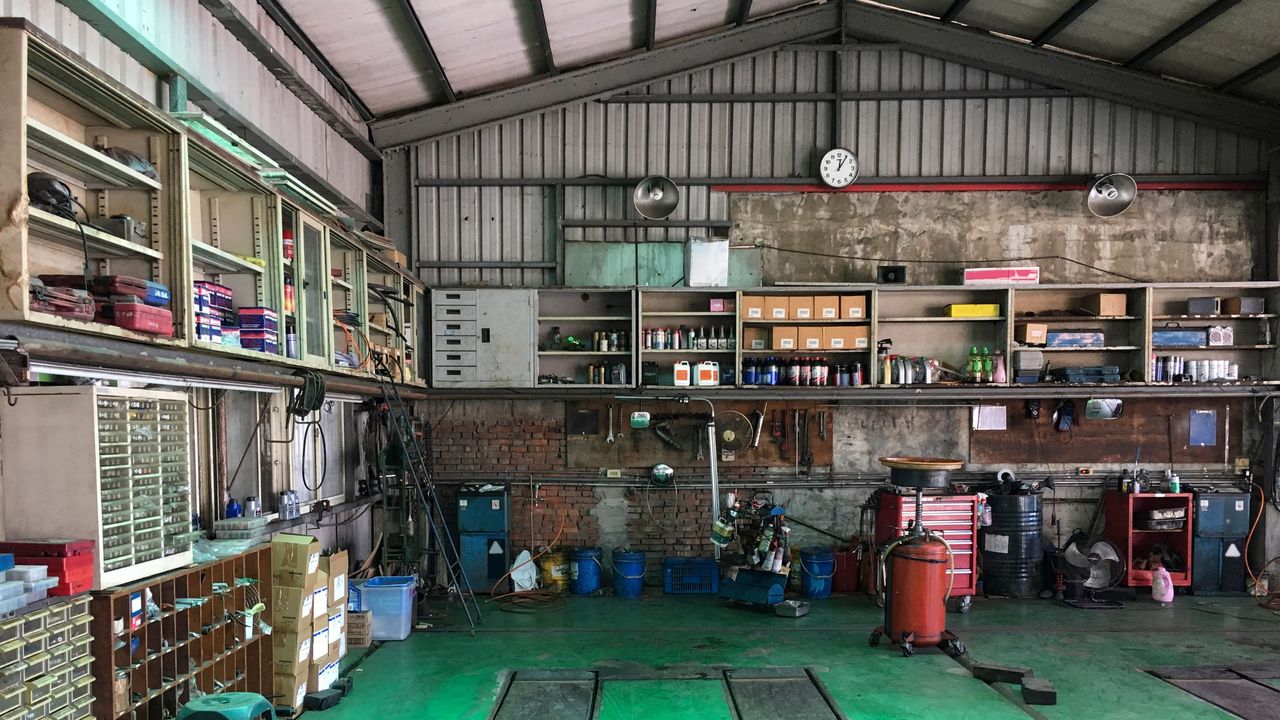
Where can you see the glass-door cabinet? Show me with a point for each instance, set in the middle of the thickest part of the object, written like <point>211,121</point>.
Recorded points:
<point>305,326</point>
<point>348,297</point>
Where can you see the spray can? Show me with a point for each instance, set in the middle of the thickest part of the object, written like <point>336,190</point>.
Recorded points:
<point>252,506</point>
<point>233,509</point>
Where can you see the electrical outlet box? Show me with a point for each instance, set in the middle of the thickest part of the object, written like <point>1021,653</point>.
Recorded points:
<point>613,473</point>
<point>1241,464</point>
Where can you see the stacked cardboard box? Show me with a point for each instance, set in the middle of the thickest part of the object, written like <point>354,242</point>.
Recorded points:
<point>336,566</point>
<point>295,577</point>
<point>360,629</point>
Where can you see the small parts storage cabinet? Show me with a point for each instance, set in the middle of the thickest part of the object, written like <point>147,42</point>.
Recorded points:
<point>45,661</point>
<point>955,517</point>
<point>107,464</point>
<point>1134,532</point>
<point>482,338</point>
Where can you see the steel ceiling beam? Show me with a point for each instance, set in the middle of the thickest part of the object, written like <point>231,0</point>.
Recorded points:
<point>544,38</point>
<point>1266,67</point>
<point>285,22</point>
<point>989,52</point>
<point>424,47</point>
<point>1063,22</point>
<point>244,30</point>
<point>608,77</point>
<point>955,9</point>
<point>1202,18</point>
<point>651,26</point>
<point>744,12</point>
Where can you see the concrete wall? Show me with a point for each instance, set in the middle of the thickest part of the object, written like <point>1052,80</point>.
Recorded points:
<point>1166,236</point>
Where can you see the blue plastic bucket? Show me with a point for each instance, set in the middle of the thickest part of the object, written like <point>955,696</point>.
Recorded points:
<point>628,574</point>
<point>817,565</point>
<point>584,570</point>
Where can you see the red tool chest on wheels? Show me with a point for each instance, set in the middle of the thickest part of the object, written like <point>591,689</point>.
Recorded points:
<point>955,517</point>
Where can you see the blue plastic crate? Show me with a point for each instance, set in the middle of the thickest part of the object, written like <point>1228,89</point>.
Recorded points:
<point>690,576</point>
<point>390,600</point>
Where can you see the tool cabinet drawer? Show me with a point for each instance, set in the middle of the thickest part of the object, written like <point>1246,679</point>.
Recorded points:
<point>453,375</point>
<point>455,312</point>
<point>452,343</point>
<point>454,297</point>
<point>450,358</point>
<point>454,328</point>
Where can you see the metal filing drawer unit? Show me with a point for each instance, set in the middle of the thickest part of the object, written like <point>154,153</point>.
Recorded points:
<point>482,338</point>
<point>1218,543</point>
<point>955,517</point>
<point>482,537</point>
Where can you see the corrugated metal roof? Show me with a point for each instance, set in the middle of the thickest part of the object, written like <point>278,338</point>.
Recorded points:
<point>486,44</point>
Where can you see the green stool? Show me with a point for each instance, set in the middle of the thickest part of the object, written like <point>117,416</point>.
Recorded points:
<point>228,706</point>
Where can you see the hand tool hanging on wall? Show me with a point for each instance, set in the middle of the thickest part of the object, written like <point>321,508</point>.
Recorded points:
<point>775,425</point>
<point>806,458</point>
<point>667,435</point>
<point>697,434</point>
<point>795,435</point>
<point>759,423</point>
<point>822,425</point>
<point>610,438</point>
<point>784,449</point>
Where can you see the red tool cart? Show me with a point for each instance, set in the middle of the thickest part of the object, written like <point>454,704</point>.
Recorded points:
<point>955,517</point>
<point>1134,528</point>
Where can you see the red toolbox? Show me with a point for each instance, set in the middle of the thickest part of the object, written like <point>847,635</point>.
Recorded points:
<point>845,579</point>
<point>955,517</point>
<point>48,547</point>
<point>67,302</point>
<point>143,318</point>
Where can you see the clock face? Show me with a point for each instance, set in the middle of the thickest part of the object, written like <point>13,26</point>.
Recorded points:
<point>839,168</point>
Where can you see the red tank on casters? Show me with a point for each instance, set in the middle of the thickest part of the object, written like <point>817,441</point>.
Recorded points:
<point>913,567</point>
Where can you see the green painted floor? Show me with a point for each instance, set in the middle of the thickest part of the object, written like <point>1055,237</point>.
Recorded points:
<point>1095,658</point>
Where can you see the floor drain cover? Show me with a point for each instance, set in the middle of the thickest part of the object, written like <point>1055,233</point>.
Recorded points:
<point>1246,691</point>
<point>779,694</point>
<point>547,695</point>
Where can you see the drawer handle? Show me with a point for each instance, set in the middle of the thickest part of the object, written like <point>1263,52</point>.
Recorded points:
<point>452,326</point>
<point>484,335</point>
<point>454,373</point>
<point>452,311</point>
<point>453,296</point>
<point>452,342</point>
<point>451,356</point>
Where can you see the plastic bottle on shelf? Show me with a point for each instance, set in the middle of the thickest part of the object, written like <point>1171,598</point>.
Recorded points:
<point>733,340</point>
<point>805,375</point>
<point>703,342</point>
<point>1000,374</point>
<point>973,368</point>
<point>793,372</point>
<point>988,366</point>
<point>749,372</point>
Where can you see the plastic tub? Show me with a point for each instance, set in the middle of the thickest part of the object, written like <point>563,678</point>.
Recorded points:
<point>27,573</point>
<point>817,566</point>
<point>390,600</point>
<point>628,573</point>
<point>584,570</point>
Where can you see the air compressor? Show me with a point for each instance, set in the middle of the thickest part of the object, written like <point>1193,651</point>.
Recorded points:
<point>915,568</point>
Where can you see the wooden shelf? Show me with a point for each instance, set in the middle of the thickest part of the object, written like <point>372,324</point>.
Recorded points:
<point>584,353</point>
<point>679,314</point>
<point>584,318</point>
<point>934,318</point>
<point>804,352</point>
<point>69,157</point>
<point>1054,319</point>
<point>1105,348</point>
<point>44,224</point>
<point>687,352</point>
<point>219,260</point>
<point>1197,348</point>
<point>581,385</point>
<point>837,321</point>
<point>1259,316</point>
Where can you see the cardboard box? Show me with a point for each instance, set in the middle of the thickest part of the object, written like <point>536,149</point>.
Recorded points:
<point>845,337</point>
<point>1031,333</point>
<point>752,307</point>
<point>290,690</point>
<point>809,337</point>
<point>755,338</point>
<point>320,596</point>
<point>1029,275</point>
<point>291,607</point>
<point>291,651</point>
<point>342,647</point>
<point>720,305</point>
<point>320,644</point>
<point>322,677</point>
<point>359,622</point>
<point>784,337</point>
<point>853,307</point>
<point>120,693</point>
<point>972,310</point>
<point>397,257</point>
<point>294,559</point>
<point>776,308</point>
<point>826,307</point>
<point>1106,304</point>
<point>337,624</point>
<point>800,307</point>
<point>336,566</point>
<point>1244,305</point>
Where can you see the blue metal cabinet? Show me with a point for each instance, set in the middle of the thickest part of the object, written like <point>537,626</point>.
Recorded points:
<point>1222,514</point>
<point>485,559</point>
<point>482,512</point>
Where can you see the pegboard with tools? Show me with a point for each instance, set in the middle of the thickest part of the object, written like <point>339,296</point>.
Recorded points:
<point>792,434</point>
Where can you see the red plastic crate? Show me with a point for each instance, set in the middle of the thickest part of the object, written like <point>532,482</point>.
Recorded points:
<point>60,566</point>
<point>144,318</point>
<point>73,585</point>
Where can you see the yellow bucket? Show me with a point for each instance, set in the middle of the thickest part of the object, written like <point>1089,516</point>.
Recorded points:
<point>554,569</point>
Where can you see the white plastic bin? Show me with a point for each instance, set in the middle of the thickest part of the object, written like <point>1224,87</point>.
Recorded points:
<point>390,600</point>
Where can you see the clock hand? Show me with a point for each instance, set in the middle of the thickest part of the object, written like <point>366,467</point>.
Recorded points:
<point>839,164</point>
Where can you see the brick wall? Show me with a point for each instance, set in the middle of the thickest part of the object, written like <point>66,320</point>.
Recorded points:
<point>666,522</point>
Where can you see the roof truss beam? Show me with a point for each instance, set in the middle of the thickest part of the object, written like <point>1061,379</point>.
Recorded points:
<point>987,51</point>
<point>950,14</point>
<point>651,26</point>
<point>1266,67</point>
<point>424,48</point>
<point>744,12</point>
<point>291,30</point>
<point>1202,18</point>
<point>609,77</point>
<point>1064,21</point>
<point>544,38</point>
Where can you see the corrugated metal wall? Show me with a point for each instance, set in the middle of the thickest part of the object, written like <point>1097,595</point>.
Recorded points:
<point>892,138</point>
<point>183,30</point>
